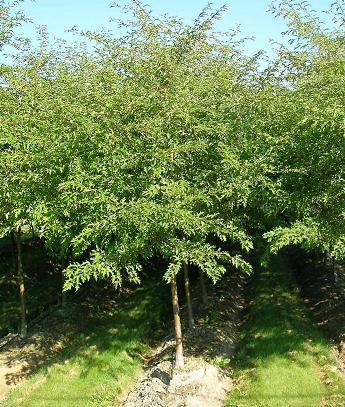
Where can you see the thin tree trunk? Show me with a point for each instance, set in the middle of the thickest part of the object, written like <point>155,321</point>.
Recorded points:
<point>179,361</point>
<point>63,293</point>
<point>330,261</point>
<point>32,231</point>
<point>203,288</point>
<point>41,242</point>
<point>188,297</point>
<point>335,272</point>
<point>13,251</point>
<point>23,325</point>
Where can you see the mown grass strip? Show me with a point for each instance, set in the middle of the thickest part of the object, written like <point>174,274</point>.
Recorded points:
<point>100,363</point>
<point>283,359</point>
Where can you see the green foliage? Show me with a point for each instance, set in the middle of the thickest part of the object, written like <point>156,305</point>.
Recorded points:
<point>145,164</point>
<point>168,140</point>
<point>310,138</point>
<point>10,17</point>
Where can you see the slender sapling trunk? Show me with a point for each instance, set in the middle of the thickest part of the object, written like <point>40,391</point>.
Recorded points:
<point>335,272</point>
<point>188,297</point>
<point>32,231</point>
<point>204,296</point>
<point>13,251</point>
<point>179,361</point>
<point>23,324</point>
<point>63,293</point>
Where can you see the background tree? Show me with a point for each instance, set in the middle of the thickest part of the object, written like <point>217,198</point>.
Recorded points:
<point>310,138</point>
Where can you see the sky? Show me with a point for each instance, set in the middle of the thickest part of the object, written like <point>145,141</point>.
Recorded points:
<point>251,15</point>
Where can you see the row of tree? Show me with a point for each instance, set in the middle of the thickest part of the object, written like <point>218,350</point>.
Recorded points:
<point>169,141</point>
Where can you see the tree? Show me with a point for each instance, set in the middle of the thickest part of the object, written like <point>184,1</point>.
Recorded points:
<point>151,143</point>
<point>12,215</point>
<point>150,185</point>
<point>10,17</point>
<point>310,146</point>
<point>188,297</point>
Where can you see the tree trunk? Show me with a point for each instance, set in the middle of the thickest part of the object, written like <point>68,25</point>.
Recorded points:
<point>63,293</point>
<point>13,252</point>
<point>23,325</point>
<point>188,297</point>
<point>179,362</point>
<point>32,231</point>
<point>335,272</point>
<point>203,288</point>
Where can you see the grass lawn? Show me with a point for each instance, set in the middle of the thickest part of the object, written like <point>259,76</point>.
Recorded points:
<point>104,360</point>
<point>283,359</point>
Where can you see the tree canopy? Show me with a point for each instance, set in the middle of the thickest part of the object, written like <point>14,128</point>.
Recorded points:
<point>168,140</point>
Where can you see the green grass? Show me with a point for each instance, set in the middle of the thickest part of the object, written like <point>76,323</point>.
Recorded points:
<point>283,359</point>
<point>101,363</point>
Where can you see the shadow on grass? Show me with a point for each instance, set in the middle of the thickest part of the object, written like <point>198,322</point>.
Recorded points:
<point>323,289</point>
<point>276,324</point>
<point>282,359</point>
<point>102,352</point>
